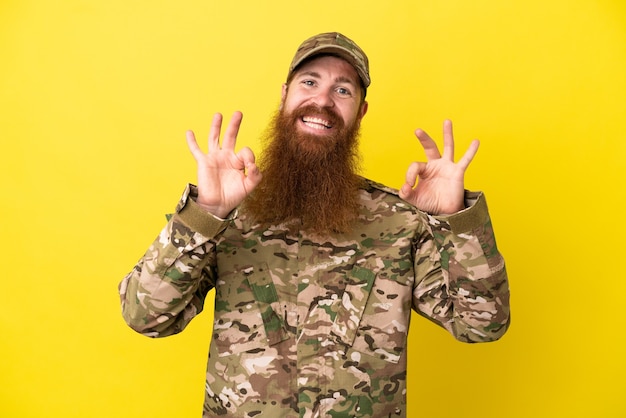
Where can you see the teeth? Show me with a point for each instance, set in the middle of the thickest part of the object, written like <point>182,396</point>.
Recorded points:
<point>316,123</point>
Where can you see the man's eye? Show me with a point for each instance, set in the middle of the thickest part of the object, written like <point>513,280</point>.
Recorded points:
<point>343,91</point>
<point>308,82</point>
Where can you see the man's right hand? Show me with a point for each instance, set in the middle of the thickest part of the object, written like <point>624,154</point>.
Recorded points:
<point>225,178</point>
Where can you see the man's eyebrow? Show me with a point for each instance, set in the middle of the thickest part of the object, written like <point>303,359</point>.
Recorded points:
<point>315,74</point>
<point>344,79</point>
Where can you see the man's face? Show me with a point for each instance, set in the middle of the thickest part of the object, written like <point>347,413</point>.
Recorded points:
<point>310,162</point>
<point>325,96</point>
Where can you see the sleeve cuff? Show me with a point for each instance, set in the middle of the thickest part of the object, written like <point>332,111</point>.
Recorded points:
<point>475,215</point>
<point>199,219</point>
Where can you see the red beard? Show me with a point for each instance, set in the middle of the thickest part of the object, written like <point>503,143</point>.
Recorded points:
<point>309,181</point>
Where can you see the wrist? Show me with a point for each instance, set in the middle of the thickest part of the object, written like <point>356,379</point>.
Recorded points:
<point>214,210</point>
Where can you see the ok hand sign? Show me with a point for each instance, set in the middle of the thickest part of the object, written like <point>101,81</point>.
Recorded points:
<point>440,181</point>
<point>225,178</point>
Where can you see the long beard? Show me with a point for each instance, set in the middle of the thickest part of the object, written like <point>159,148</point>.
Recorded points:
<point>310,182</point>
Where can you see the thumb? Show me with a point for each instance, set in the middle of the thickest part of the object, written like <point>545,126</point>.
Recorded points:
<point>406,191</point>
<point>253,176</point>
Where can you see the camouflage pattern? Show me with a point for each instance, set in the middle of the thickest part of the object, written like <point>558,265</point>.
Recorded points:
<point>312,326</point>
<point>333,43</point>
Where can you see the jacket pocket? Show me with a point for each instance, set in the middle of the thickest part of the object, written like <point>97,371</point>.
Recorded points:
<point>374,315</point>
<point>267,300</point>
<point>352,304</point>
<point>245,318</point>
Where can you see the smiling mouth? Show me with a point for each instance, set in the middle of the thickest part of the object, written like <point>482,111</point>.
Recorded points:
<point>316,123</point>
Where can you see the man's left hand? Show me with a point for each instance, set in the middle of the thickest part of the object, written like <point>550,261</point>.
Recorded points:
<point>440,181</point>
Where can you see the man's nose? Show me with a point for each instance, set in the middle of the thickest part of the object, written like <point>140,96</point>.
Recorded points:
<point>324,98</point>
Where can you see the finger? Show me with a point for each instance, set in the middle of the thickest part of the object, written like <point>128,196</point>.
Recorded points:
<point>253,174</point>
<point>253,177</point>
<point>230,137</point>
<point>246,156</point>
<point>407,191</point>
<point>214,133</point>
<point>430,148</point>
<point>448,140</point>
<point>467,158</point>
<point>411,173</point>
<point>193,145</point>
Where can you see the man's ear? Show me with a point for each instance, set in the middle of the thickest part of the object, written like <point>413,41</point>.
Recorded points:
<point>363,110</point>
<point>283,95</point>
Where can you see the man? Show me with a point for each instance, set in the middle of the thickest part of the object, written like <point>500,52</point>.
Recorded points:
<point>316,269</point>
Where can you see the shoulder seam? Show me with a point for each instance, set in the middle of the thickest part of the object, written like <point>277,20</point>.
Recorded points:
<point>380,186</point>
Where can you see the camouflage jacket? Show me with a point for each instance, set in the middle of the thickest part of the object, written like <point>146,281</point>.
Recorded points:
<point>306,326</point>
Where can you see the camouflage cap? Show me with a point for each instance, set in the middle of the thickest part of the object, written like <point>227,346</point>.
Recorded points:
<point>337,44</point>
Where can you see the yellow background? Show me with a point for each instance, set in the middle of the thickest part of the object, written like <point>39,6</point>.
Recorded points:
<point>95,98</point>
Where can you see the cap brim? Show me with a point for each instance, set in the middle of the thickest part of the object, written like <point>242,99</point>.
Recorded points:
<point>335,50</point>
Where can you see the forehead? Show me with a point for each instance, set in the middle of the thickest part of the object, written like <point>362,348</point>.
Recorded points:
<point>329,66</point>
